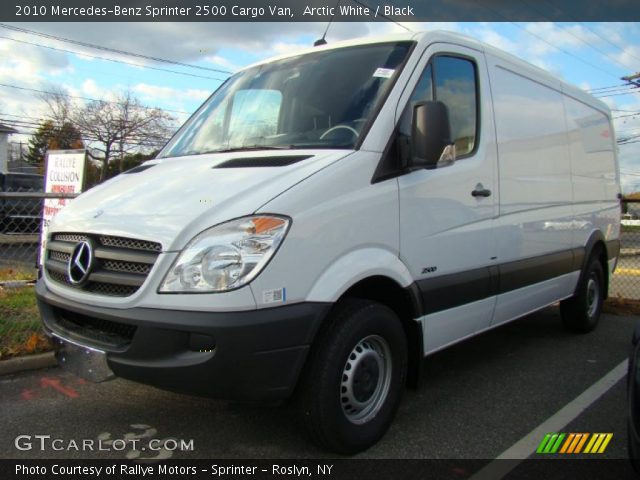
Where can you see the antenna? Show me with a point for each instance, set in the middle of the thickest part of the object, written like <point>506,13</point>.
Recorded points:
<point>322,40</point>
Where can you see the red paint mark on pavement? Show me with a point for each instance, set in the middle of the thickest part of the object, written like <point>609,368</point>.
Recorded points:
<point>28,394</point>
<point>459,471</point>
<point>46,382</point>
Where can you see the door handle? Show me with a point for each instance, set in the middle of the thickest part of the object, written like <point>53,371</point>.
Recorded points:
<point>480,191</point>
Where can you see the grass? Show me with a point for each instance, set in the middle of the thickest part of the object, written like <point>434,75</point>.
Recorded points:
<point>16,273</point>
<point>630,228</point>
<point>20,327</point>
<point>621,306</point>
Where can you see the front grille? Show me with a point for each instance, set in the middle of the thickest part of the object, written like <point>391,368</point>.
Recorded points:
<point>95,330</point>
<point>129,267</point>
<point>59,256</point>
<point>120,266</point>
<point>70,237</point>
<point>130,243</point>
<point>112,290</point>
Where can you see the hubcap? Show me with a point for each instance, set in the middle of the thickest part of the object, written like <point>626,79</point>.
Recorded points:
<point>365,379</point>
<point>593,296</point>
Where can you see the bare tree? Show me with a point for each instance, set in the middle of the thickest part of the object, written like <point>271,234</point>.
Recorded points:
<point>113,128</point>
<point>59,106</point>
<point>116,128</point>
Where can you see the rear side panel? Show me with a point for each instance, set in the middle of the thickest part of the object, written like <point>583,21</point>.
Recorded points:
<point>558,186</point>
<point>594,172</point>
<point>534,168</point>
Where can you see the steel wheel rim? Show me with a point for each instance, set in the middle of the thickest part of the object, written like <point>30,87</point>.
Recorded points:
<point>593,296</point>
<point>365,380</point>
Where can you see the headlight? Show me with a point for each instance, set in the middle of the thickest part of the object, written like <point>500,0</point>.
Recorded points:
<point>227,256</point>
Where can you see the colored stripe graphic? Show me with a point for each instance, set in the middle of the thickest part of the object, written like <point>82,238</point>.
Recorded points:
<point>551,443</point>
<point>573,443</point>
<point>598,442</point>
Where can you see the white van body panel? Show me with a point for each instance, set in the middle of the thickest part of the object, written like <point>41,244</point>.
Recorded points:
<point>453,325</point>
<point>206,195</point>
<point>339,218</point>
<point>526,300</point>
<point>535,175</point>
<point>355,266</point>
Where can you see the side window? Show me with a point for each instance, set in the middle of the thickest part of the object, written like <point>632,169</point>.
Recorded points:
<point>452,81</point>
<point>455,86</point>
<point>422,93</point>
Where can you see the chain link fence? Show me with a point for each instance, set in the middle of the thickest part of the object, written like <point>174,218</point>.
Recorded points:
<point>21,215</point>
<point>625,282</point>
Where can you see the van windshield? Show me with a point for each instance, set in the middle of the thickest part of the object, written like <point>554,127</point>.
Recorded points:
<point>323,99</point>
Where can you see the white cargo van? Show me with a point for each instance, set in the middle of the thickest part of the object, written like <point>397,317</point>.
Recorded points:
<point>328,218</point>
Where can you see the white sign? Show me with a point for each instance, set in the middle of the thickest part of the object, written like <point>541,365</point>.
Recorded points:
<point>65,174</point>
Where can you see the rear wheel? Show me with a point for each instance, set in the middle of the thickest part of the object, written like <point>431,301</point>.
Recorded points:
<point>581,312</point>
<point>354,378</point>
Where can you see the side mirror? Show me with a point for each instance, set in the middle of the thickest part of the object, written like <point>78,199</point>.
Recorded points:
<point>431,145</point>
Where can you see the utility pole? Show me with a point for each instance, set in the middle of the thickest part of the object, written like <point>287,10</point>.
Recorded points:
<point>632,79</point>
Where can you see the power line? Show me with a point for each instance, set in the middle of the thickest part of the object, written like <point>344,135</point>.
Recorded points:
<point>628,115</point>
<point>566,52</point>
<point>88,98</point>
<point>621,90</point>
<point>609,92</point>
<point>111,59</point>
<point>569,32</point>
<point>611,87</point>
<point>496,12</point>
<point>615,45</point>
<point>618,94</point>
<point>560,12</point>
<point>113,50</point>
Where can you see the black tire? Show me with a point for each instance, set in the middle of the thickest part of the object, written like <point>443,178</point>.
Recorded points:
<point>581,312</point>
<point>354,377</point>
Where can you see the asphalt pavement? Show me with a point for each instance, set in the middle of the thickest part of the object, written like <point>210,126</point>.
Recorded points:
<point>477,399</point>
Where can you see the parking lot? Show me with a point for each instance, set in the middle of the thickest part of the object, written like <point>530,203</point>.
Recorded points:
<point>477,400</point>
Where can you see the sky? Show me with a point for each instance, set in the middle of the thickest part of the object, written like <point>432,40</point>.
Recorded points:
<point>197,57</point>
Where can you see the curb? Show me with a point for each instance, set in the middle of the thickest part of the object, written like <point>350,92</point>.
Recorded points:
<point>29,362</point>
<point>17,283</point>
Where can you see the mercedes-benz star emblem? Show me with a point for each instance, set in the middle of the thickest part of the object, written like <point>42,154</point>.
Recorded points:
<point>80,263</point>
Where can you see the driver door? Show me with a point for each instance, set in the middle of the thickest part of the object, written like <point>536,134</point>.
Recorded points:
<point>446,214</point>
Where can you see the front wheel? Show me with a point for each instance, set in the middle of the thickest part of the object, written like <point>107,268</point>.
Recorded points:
<point>581,312</point>
<point>354,378</point>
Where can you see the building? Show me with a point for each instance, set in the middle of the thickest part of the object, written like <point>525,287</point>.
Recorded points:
<point>5,131</point>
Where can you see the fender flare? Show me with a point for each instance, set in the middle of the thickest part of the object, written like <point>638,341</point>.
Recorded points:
<point>354,266</point>
<point>595,238</point>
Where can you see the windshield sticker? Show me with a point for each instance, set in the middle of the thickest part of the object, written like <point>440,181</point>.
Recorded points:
<point>383,72</point>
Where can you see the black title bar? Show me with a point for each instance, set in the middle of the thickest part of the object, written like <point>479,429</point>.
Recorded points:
<point>318,10</point>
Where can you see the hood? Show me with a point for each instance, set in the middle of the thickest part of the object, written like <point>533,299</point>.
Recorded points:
<point>170,200</point>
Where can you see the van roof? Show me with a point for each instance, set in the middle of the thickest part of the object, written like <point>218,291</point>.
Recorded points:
<point>434,36</point>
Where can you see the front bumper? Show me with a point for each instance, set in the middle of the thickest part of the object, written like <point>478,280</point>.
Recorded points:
<point>249,355</point>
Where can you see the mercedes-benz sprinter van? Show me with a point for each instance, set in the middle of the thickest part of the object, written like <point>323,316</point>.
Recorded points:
<point>328,218</point>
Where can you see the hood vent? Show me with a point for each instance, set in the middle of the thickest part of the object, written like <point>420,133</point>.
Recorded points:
<point>262,161</point>
<point>139,168</point>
